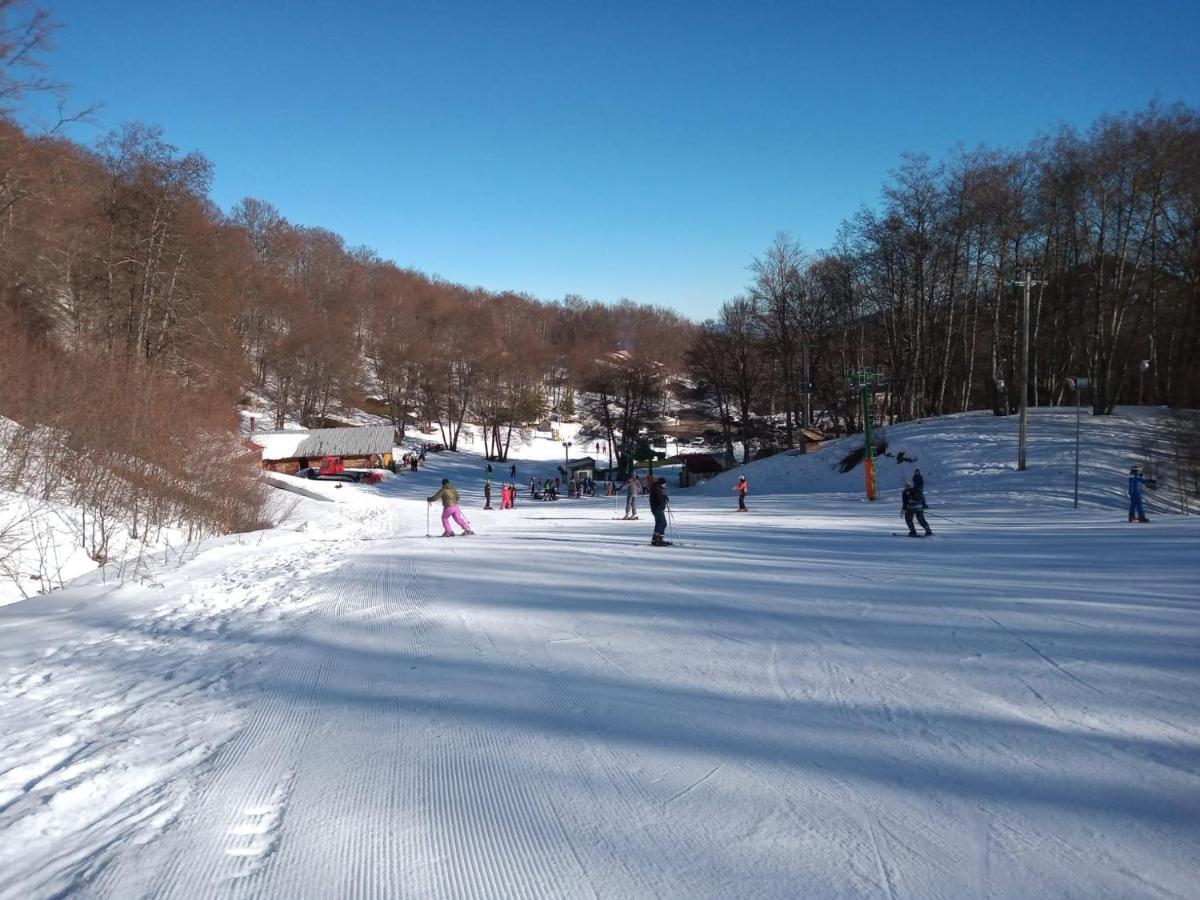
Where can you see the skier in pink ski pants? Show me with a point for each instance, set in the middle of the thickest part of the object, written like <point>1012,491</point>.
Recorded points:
<point>450,510</point>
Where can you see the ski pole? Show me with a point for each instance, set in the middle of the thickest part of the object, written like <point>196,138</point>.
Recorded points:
<point>427,507</point>
<point>674,529</point>
<point>947,518</point>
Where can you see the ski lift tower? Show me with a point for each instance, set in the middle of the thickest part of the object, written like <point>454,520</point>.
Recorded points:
<point>866,382</point>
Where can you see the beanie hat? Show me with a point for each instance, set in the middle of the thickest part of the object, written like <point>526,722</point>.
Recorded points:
<point>741,478</point>
<point>445,481</point>
<point>662,481</point>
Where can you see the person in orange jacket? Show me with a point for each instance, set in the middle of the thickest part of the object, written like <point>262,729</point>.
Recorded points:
<point>740,487</point>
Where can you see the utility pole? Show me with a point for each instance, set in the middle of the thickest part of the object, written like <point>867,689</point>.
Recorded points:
<point>866,381</point>
<point>807,394</point>
<point>1023,374</point>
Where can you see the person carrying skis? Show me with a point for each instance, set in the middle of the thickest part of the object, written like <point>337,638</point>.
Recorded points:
<point>912,502</point>
<point>450,510</point>
<point>633,487</point>
<point>740,487</point>
<point>1135,495</point>
<point>658,508</point>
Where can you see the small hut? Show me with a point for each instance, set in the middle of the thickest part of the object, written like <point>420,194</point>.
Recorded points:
<point>579,469</point>
<point>698,467</point>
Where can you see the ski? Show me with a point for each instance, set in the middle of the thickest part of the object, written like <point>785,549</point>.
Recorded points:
<point>906,534</point>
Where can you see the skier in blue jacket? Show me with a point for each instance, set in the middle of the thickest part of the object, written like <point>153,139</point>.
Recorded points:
<point>1135,495</point>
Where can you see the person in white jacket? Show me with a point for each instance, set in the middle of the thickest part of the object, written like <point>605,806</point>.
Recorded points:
<point>633,487</point>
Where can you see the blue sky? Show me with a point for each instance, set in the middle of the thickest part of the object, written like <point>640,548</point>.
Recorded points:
<point>643,150</point>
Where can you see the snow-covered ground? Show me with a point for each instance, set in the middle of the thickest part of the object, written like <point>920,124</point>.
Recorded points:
<point>789,703</point>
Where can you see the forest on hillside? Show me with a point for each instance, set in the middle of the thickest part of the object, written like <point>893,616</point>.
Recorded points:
<point>135,315</point>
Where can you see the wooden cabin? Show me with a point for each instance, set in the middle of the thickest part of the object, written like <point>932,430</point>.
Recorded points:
<point>368,447</point>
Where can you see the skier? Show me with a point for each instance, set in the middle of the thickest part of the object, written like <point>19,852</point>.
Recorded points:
<point>450,510</point>
<point>487,494</point>
<point>658,507</point>
<point>1135,495</point>
<point>489,473</point>
<point>740,487</point>
<point>512,472</point>
<point>633,487</point>
<point>912,502</point>
<point>918,481</point>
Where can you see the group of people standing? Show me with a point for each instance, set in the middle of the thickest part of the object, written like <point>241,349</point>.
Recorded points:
<point>411,461</point>
<point>508,495</point>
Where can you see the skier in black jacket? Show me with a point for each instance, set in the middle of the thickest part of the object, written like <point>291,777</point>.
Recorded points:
<point>658,508</point>
<point>912,502</point>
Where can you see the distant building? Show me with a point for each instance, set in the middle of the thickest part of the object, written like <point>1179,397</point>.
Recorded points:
<point>290,451</point>
<point>578,469</point>
<point>698,467</point>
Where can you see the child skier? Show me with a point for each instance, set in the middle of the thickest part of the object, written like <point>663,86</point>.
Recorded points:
<point>450,510</point>
<point>740,487</point>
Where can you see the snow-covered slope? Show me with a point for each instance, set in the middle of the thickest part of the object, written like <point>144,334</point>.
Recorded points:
<point>788,703</point>
<point>971,460</point>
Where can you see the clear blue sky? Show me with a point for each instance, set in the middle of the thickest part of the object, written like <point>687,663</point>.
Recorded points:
<point>619,149</point>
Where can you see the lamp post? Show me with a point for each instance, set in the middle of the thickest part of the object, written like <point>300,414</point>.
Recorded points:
<point>567,457</point>
<point>1078,385</point>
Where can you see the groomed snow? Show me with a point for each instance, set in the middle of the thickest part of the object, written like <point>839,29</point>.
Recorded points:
<point>790,703</point>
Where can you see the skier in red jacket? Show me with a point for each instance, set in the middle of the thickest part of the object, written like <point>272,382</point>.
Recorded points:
<point>740,487</point>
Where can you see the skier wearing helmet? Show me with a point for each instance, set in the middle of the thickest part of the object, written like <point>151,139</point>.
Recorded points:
<point>741,487</point>
<point>912,502</point>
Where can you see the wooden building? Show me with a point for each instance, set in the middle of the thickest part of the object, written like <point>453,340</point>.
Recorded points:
<point>369,447</point>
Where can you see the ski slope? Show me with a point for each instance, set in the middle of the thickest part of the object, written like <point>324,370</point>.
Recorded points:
<point>789,703</point>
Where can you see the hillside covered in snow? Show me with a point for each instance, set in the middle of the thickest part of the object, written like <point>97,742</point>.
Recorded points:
<point>789,702</point>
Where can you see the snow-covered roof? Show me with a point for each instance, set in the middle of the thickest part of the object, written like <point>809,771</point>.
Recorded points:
<point>325,442</point>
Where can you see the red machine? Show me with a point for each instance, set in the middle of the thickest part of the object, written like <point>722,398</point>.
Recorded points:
<point>333,469</point>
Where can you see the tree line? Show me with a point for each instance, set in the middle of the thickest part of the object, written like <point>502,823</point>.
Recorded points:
<point>925,289</point>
